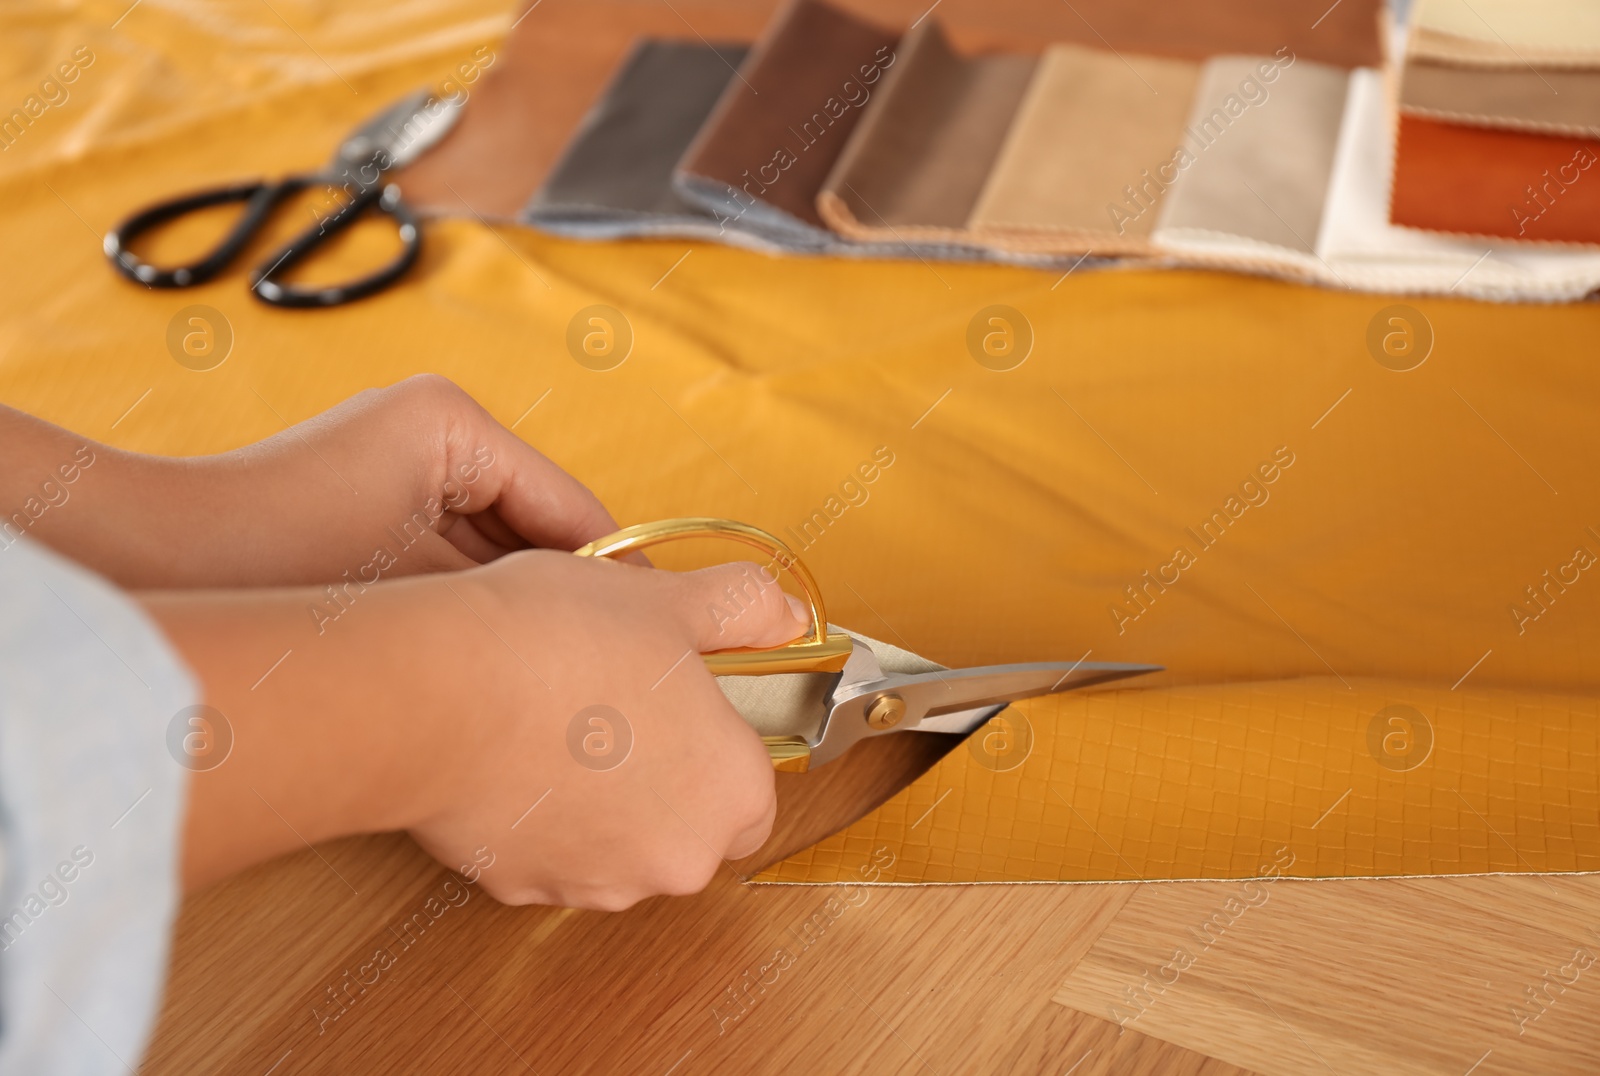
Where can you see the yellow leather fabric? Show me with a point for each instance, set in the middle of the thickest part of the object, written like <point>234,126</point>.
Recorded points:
<point>1008,513</point>
<point>1283,777</point>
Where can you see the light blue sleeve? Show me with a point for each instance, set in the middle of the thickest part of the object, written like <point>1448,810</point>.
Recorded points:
<point>91,813</point>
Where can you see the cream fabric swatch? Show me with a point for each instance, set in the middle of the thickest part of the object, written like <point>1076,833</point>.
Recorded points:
<point>1091,128</point>
<point>1258,180</point>
<point>1360,249</point>
<point>1508,33</point>
<point>1538,24</point>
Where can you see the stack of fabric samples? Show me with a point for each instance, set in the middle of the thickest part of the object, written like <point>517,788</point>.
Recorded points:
<point>834,135</point>
<point>1498,132</point>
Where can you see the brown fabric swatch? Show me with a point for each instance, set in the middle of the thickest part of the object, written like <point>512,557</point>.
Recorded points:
<point>917,161</point>
<point>782,123</point>
<point>1550,101</point>
<point>1511,184</point>
<point>1346,34</point>
<point>1092,129</point>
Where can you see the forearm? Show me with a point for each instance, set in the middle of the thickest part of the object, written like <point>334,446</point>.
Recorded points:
<point>330,732</point>
<point>106,509</point>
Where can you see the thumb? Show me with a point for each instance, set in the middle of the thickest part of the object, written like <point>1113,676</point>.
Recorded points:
<point>739,604</point>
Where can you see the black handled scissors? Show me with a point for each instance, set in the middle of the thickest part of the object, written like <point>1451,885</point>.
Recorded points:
<point>355,180</point>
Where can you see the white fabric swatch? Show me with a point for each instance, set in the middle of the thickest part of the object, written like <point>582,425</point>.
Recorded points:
<point>1360,249</point>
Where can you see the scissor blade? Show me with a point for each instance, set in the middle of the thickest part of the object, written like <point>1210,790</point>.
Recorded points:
<point>400,133</point>
<point>957,700</point>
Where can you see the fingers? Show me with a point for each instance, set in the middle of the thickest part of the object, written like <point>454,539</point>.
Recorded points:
<point>738,604</point>
<point>748,842</point>
<point>533,497</point>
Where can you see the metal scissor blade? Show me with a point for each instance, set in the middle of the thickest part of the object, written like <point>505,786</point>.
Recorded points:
<point>957,700</point>
<point>400,133</point>
<point>950,700</point>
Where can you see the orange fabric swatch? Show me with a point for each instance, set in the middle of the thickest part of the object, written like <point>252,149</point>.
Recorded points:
<point>1477,181</point>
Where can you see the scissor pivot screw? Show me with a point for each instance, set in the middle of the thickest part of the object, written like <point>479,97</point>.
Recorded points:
<point>886,711</point>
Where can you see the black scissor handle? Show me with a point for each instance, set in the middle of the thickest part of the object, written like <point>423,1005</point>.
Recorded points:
<point>385,200</point>
<point>259,196</point>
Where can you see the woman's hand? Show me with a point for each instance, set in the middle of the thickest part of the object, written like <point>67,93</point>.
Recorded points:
<point>398,481</point>
<point>547,712</point>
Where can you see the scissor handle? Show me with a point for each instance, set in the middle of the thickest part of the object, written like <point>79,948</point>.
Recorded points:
<point>821,651</point>
<point>385,200</point>
<point>261,198</point>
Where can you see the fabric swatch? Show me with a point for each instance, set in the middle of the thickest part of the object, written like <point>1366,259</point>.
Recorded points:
<point>1549,101</point>
<point>615,178</point>
<point>1078,168</point>
<point>918,160</point>
<point>780,125</point>
<point>1262,138</point>
<point>1509,33</point>
<point>1361,249</point>
<point>1509,184</point>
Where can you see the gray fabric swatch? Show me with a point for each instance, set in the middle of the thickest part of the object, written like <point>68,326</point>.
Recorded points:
<point>615,178</point>
<point>1261,153</point>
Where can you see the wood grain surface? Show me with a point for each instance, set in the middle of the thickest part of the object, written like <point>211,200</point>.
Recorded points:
<point>1435,975</point>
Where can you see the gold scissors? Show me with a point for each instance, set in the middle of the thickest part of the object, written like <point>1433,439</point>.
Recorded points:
<point>861,700</point>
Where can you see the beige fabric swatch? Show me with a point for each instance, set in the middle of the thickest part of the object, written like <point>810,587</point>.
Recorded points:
<point>1092,130</point>
<point>1263,153</point>
<point>1551,101</point>
<point>918,159</point>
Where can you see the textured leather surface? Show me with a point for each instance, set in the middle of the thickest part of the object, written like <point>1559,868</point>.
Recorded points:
<point>1221,781</point>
